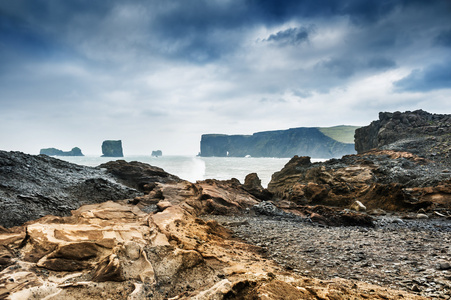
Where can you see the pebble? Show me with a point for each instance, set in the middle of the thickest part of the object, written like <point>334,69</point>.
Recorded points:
<point>407,255</point>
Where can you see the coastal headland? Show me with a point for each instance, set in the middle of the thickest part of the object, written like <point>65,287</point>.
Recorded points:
<point>372,225</point>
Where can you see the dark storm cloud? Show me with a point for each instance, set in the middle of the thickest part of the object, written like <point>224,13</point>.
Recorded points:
<point>291,36</point>
<point>443,38</point>
<point>346,67</point>
<point>198,31</point>
<point>434,77</point>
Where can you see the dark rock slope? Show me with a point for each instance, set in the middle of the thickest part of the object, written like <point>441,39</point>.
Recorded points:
<point>35,186</point>
<point>419,132</point>
<point>281,143</point>
<point>138,175</point>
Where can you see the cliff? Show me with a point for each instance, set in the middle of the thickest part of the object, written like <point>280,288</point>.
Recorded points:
<point>419,132</point>
<point>56,152</point>
<point>112,148</point>
<point>281,143</point>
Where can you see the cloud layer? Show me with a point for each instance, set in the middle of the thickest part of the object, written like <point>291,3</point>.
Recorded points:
<point>158,74</point>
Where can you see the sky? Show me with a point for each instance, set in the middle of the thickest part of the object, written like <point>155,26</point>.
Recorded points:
<point>159,74</point>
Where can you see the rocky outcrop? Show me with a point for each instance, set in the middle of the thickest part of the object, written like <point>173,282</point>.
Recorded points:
<point>117,251</point>
<point>253,185</point>
<point>34,186</point>
<point>112,148</point>
<point>56,152</point>
<point>282,143</point>
<point>379,179</point>
<point>156,246</point>
<point>138,175</point>
<point>422,133</point>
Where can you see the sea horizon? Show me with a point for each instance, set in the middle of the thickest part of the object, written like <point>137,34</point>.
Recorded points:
<point>194,168</point>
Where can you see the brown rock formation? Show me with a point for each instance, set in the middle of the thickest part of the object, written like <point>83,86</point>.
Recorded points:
<point>253,185</point>
<point>384,179</point>
<point>116,251</point>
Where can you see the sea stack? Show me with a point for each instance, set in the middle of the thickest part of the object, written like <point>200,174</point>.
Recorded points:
<point>157,153</point>
<point>112,148</point>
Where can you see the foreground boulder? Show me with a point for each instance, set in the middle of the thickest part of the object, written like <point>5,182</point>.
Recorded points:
<point>34,186</point>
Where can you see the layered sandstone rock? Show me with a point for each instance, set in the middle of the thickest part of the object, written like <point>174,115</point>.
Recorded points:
<point>384,179</point>
<point>116,251</point>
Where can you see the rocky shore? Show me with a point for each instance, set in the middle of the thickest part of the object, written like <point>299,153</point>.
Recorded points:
<point>376,225</point>
<point>401,254</point>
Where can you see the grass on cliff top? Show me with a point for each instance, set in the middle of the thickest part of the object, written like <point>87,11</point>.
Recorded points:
<point>341,133</point>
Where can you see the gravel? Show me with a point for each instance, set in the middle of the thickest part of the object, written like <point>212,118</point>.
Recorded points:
<point>411,255</point>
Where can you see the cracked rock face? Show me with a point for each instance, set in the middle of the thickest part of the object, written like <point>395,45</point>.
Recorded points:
<point>419,132</point>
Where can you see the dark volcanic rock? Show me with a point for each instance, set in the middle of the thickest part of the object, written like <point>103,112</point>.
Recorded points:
<point>419,132</point>
<point>281,143</point>
<point>56,152</point>
<point>112,148</point>
<point>35,186</point>
<point>138,175</point>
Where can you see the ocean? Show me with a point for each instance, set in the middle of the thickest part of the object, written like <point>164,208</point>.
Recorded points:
<point>193,168</point>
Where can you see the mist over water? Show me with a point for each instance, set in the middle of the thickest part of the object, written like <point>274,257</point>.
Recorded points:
<point>193,168</point>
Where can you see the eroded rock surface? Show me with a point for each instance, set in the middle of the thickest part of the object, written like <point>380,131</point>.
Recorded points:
<point>116,251</point>
<point>379,179</point>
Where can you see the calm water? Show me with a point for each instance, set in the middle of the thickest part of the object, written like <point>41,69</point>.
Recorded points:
<point>194,168</point>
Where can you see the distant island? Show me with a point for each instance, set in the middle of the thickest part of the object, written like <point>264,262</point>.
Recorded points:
<point>318,142</point>
<point>157,153</point>
<point>112,148</point>
<point>56,152</point>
